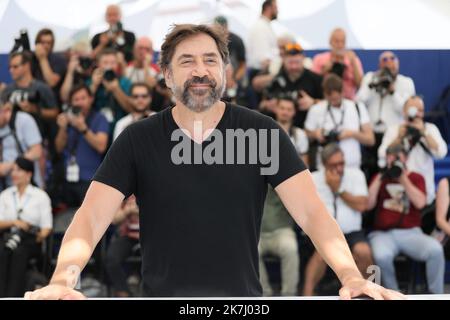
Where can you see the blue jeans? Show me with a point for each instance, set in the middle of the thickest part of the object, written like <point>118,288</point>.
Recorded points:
<point>386,245</point>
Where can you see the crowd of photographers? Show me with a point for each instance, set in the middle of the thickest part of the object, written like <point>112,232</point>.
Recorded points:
<point>362,135</point>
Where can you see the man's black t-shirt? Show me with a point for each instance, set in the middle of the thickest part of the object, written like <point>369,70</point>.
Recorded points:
<point>309,82</point>
<point>199,223</point>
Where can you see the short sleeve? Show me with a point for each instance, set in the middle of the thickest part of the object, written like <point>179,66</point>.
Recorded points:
<point>311,122</point>
<point>289,163</point>
<point>29,131</point>
<point>100,124</point>
<point>357,183</point>
<point>46,221</point>
<point>363,113</point>
<point>118,169</point>
<point>47,100</point>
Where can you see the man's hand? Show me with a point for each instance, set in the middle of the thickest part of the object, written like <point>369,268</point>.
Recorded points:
<point>351,55</point>
<point>5,168</point>
<point>346,134</point>
<point>318,135</point>
<point>418,124</point>
<point>305,101</point>
<point>54,292</point>
<point>358,286</point>
<point>78,122</point>
<point>62,121</point>
<point>22,225</point>
<point>97,77</point>
<point>104,39</point>
<point>333,179</point>
<point>74,63</point>
<point>40,52</point>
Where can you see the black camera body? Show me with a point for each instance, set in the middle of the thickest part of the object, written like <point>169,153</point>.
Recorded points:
<point>109,75</point>
<point>16,236</point>
<point>382,80</point>
<point>394,171</point>
<point>338,69</point>
<point>85,63</point>
<point>331,137</point>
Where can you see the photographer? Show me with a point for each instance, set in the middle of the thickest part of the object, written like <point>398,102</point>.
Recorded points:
<point>293,79</point>
<point>141,97</point>
<point>50,67</point>
<point>398,195</point>
<point>82,139</point>
<point>344,192</point>
<point>339,120</point>
<point>25,221</point>
<point>121,246</point>
<point>115,37</point>
<point>342,62</point>
<point>422,141</point>
<point>30,95</point>
<point>79,69</point>
<point>142,68</point>
<point>110,90</point>
<point>384,92</point>
<point>19,137</point>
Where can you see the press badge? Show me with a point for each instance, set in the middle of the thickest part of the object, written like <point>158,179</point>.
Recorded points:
<point>73,171</point>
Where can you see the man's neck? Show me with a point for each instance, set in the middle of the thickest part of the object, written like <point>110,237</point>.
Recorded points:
<point>21,189</point>
<point>194,121</point>
<point>294,77</point>
<point>139,114</point>
<point>25,81</point>
<point>285,125</point>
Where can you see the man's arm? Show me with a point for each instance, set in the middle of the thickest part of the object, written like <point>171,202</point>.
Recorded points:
<point>300,197</point>
<point>87,228</point>
<point>358,203</point>
<point>34,152</point>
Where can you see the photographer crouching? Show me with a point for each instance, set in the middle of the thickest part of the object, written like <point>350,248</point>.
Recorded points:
<point>25,221</point>
<point>398,195</point>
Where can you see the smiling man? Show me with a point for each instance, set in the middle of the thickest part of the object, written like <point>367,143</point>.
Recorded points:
<point>199,222</point>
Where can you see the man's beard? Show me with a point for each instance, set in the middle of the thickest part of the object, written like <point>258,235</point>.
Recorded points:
<point>199,99</point>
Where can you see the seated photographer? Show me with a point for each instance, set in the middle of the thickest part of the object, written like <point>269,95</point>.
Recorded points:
<point>292,79</point>
<point>398,195</point>
<point>422,140</point>
<point>342,62</point>
<point>79,69</point>
<point>115,37</point>
<point>110,90</point>
<point>28,94</point>
<point>82,138</point>
<point>121,246</point>
<point>141,97</point>
<point>337,119</point>
<point>442,232</point>
<point>25,221</point>
<point>19,136</point>
<point>344,192</point>
<point>142,68</point>
<point>49,67</point>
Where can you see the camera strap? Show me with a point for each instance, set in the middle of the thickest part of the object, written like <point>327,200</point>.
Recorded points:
<point>18,210</point>
<point>335,123</point>
<point>12,128</point>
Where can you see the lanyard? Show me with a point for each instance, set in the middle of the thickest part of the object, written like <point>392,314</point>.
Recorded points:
<point>19,211</point>
<point>336,125</point>
<point>335,197</point>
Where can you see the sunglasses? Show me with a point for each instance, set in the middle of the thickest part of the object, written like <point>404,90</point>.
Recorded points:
<point>142,96</point>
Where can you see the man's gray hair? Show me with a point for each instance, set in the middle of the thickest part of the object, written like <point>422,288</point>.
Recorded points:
<point>330,150</point>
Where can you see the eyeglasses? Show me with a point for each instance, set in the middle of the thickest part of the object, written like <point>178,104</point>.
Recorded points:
<point>391,58</point>
<point>142,96</point>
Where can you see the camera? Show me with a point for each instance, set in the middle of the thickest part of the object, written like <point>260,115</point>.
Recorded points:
<point>338,69</point>
<point>85,62</point>
<point>109,75</point>
<point>412,134</point>
<point>19,96</point>
<point>394,171</point>
<point>74,110</point>
<point>382,80</point>
<point>16,235</point>
<point>22,42</point>
<point>331,137</point>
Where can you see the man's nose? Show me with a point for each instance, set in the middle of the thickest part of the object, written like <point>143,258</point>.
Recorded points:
<point>200,70</point>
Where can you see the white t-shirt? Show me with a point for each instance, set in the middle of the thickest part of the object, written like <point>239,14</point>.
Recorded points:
<point>261,43</point>
<point>353,182</point>
<point>418,159</point>
<point>125,122</point>
<point>300,140</point>
<point>35,204</point>
<point>345,117</point>
<point>139,74</point>
<point>392,106</point>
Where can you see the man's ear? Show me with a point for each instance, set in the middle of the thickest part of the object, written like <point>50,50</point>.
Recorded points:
<point>168,77</point>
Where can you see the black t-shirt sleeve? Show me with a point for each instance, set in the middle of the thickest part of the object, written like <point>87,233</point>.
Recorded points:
<point>118,169</point>
<point>95,41</point>
<point>289,163</point>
